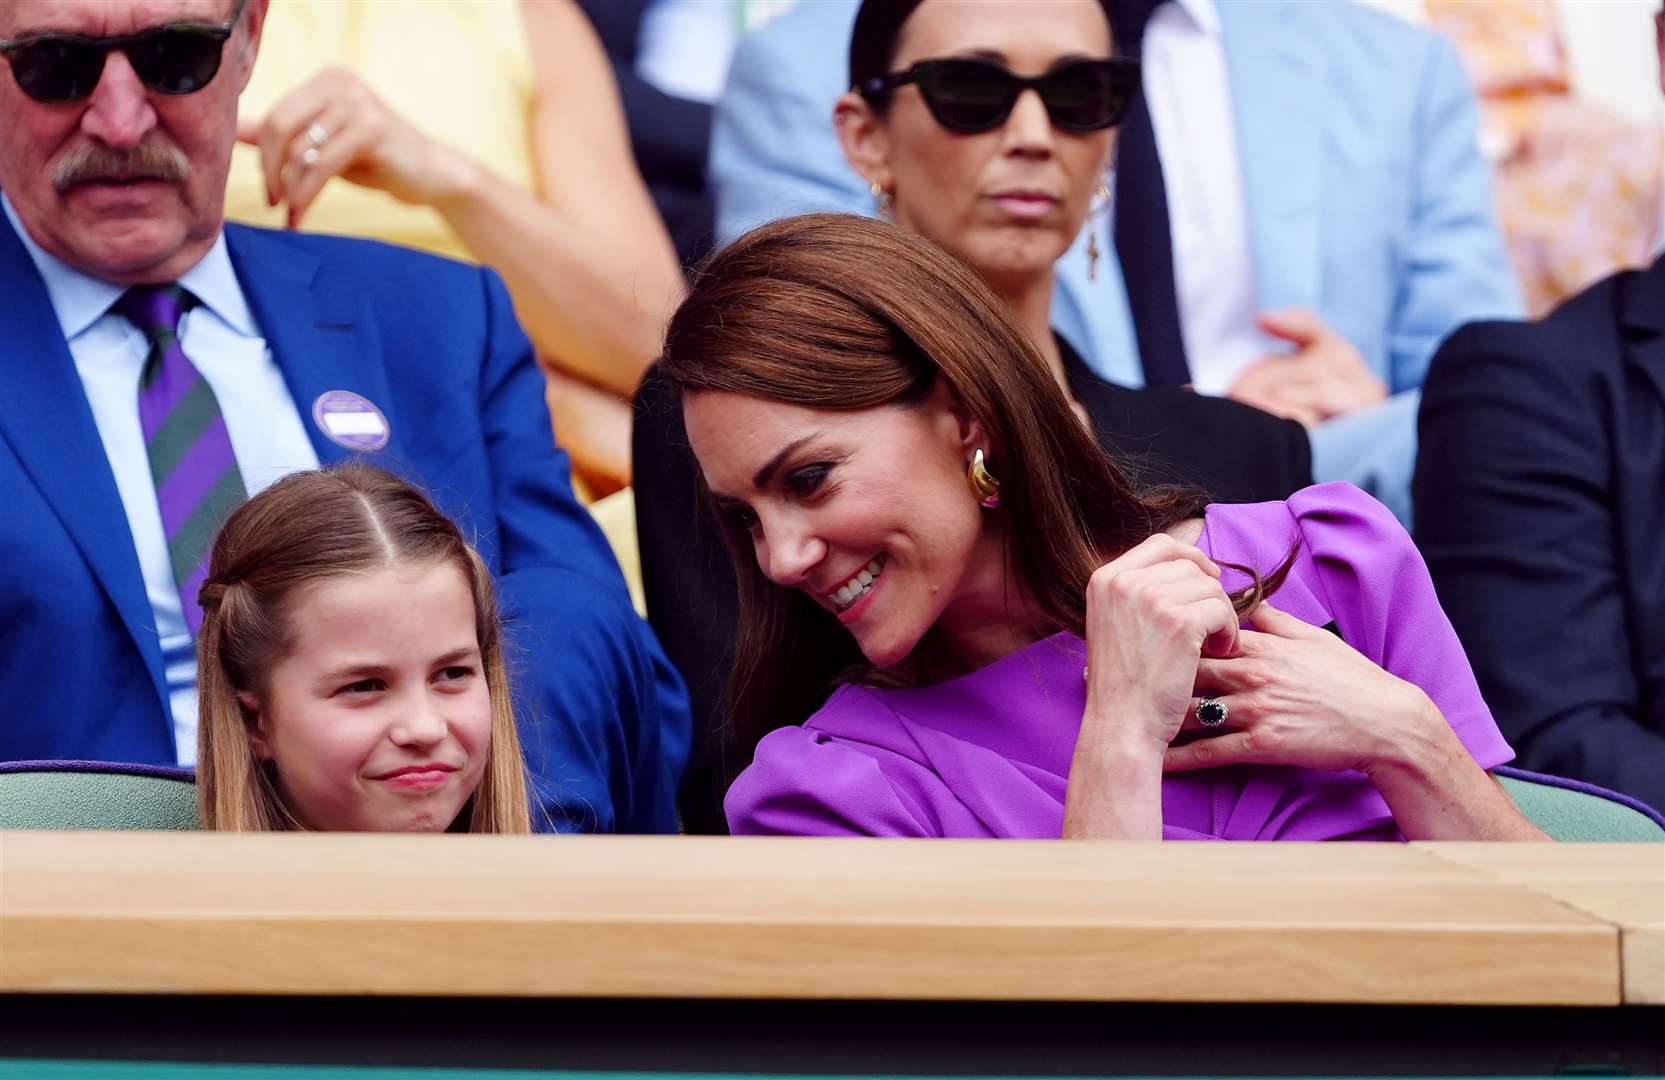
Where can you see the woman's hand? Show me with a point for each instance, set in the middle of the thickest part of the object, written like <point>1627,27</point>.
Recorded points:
<point>1152,614</point>
<point>1326,376</point>
<point>335,125</point>
<point>1299,695</point>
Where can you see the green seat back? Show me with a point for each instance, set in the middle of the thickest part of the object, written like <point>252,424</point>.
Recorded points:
<point>53,798</point>
<point>1567,814</point>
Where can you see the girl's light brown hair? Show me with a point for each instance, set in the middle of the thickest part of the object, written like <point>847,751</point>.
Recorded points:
<point>309,527</point>
<point>834,311</point>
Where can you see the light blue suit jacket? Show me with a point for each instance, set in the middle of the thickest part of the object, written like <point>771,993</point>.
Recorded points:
<point>1367,197</point>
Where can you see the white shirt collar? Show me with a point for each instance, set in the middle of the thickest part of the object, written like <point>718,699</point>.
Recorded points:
<point>80,299</point>
<point>1204,14</point>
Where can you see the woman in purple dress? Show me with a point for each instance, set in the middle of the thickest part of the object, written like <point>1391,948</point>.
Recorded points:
<point>1016,641</point>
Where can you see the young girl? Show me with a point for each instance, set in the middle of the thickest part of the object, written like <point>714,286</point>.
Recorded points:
<point>350,667</point>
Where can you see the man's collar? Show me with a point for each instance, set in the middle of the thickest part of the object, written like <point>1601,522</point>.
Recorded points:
<point>214,282</point>
<point>80,299</point>
<point>1205,14</point>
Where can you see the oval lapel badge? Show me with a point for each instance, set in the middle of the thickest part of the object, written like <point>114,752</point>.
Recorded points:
<point>350,420</point>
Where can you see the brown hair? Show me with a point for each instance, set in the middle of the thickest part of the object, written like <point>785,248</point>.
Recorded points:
<point>839,312</point>
<point>307,527</point>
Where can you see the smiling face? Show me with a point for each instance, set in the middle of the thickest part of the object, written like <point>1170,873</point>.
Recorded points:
<point>378,719</point>
<point>867,512</point>
<point>1009,201</point>
<point>128,184</point>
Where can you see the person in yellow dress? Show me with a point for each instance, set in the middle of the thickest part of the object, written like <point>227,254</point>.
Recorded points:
<point>482,129</point>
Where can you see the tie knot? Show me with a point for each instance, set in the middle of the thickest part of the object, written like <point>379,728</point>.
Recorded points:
<point>156,309</point>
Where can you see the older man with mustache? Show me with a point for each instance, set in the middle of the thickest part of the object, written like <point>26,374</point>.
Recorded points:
<point>158,367</point>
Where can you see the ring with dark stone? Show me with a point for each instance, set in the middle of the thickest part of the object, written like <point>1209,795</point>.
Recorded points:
<point>1212,712</point>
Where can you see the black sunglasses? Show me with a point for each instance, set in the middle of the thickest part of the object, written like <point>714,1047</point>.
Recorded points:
<point>969,96</point>
<point>179,58</point>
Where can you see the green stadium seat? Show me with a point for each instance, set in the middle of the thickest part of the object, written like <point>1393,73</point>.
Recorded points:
<point>1575,811</point>
<point>96,795</point>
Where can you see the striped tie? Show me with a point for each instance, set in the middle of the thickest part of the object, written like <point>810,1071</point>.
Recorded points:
<point>191,462</point>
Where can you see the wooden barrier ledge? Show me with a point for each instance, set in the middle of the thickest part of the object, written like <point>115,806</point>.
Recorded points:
<point>481,916</point>
<point>1622,884</point>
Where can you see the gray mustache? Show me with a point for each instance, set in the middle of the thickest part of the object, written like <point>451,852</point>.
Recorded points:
<point>153,159</point>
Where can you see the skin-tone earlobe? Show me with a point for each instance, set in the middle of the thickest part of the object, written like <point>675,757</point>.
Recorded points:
<point>253,21</point>
<point>967,429</point>
<point>863,139</point>
<point>256,721</point>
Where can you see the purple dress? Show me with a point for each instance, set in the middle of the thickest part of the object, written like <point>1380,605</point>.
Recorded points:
<point>988,754</point>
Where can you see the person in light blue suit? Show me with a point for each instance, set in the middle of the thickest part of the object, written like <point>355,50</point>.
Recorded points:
<point>298,351</point>
<point>1366,196</point>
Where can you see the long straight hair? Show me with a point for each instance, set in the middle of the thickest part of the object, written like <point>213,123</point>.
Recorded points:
<point>313,526</point>
<point>839,312</point>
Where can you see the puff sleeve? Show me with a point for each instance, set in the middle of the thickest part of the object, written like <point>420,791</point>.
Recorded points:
<point>1370,576</point>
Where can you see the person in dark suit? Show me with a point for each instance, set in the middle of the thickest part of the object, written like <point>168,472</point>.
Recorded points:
<point>1540,507</point>
<point>161,367</point>
<point>1008,198</point>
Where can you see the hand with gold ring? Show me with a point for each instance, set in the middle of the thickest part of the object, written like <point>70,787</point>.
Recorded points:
<point>335,125</point>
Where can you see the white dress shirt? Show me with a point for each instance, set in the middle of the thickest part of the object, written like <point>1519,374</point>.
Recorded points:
<point>224,344</point>
<point>684,46</point>
<point>1189,96</point>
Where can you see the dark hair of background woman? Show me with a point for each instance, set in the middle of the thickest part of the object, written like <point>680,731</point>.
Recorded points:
<point>878,32</point>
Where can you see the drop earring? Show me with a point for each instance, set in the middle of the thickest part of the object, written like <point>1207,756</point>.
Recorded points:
<point>1101,200</point>
<point>984,487</point>
<point>883,201</point>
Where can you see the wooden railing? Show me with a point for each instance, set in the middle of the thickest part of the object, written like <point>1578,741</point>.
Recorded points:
<point>148,913</point>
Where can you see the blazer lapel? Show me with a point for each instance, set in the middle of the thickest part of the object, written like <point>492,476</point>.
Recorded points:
<point>1642,322</point>
<point>45,418</point>
<point>322,339</point>
<point>1278,101</point>
<point>1642,335</point>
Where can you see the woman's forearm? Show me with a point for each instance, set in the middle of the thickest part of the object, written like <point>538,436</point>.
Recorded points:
<point>1437,791</point>
<point>593,305</point>
<point>1115,788</point>
<point>594,427</point>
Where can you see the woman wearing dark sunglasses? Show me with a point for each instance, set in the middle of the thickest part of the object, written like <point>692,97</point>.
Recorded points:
<point>989,128</point>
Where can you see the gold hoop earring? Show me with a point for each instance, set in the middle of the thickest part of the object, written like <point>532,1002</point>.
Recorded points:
<point>984,487</point>
<point>883,200</point>
<point>1101,199</point>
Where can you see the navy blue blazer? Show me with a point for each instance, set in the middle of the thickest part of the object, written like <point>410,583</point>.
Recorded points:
<point>1540,507</point>
<point>435,344</point>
